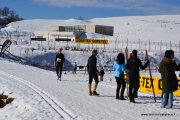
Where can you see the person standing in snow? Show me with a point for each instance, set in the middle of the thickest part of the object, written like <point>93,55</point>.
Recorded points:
<point>92,71</point>
<point>75,68</point>
<point>119,68</point>
<point>133,65</point>
<point>101,74</point>
<point>167,70</point>
<point>59,63</point>
<point>136,95</point>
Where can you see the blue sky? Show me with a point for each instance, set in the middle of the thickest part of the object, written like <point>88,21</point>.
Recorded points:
<point>88,9</point>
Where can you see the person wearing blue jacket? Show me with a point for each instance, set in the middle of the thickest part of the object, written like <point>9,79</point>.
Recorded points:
<point>119,68</point>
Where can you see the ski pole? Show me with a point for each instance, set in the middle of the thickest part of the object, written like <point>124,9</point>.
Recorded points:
<point>151,77</point>
<point>126,52</point>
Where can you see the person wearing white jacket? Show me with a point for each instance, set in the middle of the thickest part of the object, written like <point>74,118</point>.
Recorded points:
<point>119,68</point>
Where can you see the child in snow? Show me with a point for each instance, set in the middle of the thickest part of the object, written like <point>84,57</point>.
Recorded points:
<point>101,74</point>
<point>75,68</point>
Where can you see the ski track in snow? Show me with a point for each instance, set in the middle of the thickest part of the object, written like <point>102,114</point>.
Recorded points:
<point>57,106</point>
<point>72,93</point>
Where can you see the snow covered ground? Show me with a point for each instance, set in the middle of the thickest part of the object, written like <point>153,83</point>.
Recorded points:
<point>40,96</point>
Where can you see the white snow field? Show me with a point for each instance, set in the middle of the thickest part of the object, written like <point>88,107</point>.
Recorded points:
<point>40,96</point>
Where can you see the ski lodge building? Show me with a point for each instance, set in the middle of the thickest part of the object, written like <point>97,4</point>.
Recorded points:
<point>70,33</point>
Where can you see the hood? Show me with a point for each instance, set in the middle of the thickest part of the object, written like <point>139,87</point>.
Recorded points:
<point>167,60</point>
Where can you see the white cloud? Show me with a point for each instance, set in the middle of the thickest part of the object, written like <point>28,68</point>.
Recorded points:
<point>147,6</point>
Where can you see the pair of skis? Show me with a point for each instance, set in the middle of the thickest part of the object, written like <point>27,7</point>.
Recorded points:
<point>126,53</point>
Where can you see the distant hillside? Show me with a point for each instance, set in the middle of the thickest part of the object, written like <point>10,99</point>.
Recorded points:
<point>133,28</point>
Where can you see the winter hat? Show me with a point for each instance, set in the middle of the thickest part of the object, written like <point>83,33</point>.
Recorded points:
<point>168,54</point>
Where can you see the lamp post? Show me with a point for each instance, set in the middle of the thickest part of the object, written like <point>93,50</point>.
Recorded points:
<point>116,42</point>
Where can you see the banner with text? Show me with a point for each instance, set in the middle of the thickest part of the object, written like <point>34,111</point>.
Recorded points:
<point>91,41</point>
<point>146,86</point>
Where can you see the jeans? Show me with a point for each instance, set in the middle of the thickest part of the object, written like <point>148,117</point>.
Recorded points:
<point>170,100</point>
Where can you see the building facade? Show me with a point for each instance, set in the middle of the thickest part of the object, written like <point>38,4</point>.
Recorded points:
<point>73,32</point>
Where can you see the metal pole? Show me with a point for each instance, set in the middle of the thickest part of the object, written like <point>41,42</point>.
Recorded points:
<point>115,44</point>
<point>30,42</point>
<point>54,43</point>
<point>149,45</point>
<point>179,46</point>
<point>127,42</point>
<point>170,45</point>
<point>160,45</point>
<point>139,44</point>
<point>67,41</point>
<point>92,44</point>
<point>48,39</point>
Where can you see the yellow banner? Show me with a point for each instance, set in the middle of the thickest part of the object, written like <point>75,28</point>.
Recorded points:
<point>85,41</point>
<point>91,41</point>
<point>146,86</point>
<point>94,41</point>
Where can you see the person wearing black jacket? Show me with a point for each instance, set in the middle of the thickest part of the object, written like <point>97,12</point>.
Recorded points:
<point>92,71</point>
<point>59,63</point>
<point>133,65</point>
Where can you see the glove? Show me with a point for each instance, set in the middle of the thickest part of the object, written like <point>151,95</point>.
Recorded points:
<point>148,62</point>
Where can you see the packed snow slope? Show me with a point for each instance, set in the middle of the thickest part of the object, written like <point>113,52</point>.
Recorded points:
<point>154,28</point>
<point>39,95</point>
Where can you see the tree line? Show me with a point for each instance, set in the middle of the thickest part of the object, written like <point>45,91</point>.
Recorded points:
<point>7,16</point>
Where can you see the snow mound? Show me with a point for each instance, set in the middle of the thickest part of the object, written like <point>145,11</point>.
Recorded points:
<point>94,36</point>
<point>9,28</point>
<point>74,21</point>
<point>36,24</point>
